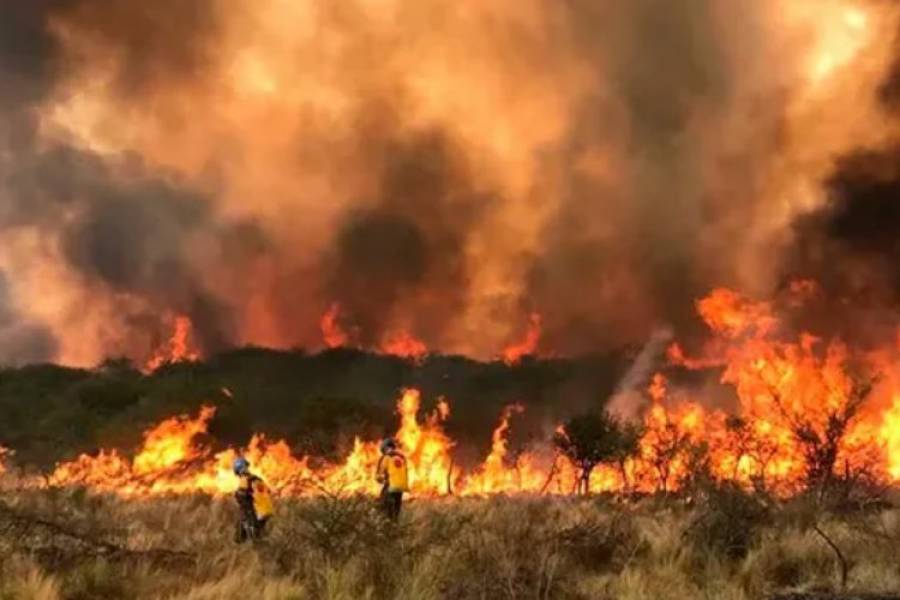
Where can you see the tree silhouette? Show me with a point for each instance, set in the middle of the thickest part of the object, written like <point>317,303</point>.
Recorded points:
<point>591,439</point>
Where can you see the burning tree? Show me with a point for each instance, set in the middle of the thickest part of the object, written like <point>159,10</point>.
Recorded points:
<point>591,439</point>
<point>665,448</point>
<point>822,437</point>
<point>749,453</point>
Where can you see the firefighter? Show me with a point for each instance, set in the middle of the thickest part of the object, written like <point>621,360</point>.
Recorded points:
<point>254,502</point>
<point>393,476</point>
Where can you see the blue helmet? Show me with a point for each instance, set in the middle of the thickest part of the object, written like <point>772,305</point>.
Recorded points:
<point>387,445</point>
<point>241,465</point>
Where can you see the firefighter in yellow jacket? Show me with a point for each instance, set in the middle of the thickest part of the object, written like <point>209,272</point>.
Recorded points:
<point>254,501</point>
<point>393,475</point>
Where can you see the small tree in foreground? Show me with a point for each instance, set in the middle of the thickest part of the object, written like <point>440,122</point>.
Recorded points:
<point>591,439</point>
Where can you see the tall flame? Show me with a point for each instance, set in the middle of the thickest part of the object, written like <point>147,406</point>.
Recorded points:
<point>890,433</point>
<point>332,333</point>
<point>495,475</point>
<point>179,348</point>
<point>528,345</point>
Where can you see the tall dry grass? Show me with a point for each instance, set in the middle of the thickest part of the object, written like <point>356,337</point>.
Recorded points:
<point>71,545</point>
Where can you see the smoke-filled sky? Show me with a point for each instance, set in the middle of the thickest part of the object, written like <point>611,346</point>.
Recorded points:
<point>444,168</point>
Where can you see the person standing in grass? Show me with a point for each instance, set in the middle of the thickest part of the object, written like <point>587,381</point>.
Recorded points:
<point>393,475</point>
<point>254,502</point>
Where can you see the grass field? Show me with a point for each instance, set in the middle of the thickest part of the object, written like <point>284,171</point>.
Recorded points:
<point>58,544</point>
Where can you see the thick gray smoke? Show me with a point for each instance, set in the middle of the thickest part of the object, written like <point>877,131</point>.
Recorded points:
<point>630,396</point>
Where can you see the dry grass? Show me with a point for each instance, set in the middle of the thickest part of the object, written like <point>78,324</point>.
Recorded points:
<point>181,548</point>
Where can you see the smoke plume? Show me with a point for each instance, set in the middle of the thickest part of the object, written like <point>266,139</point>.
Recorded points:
<point>435,168</point>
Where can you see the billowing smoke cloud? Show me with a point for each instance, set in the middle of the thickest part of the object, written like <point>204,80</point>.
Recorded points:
<point>124,231</point>
<point>403,256</point>
<point>431,167</point>
<point>849,244</point>
<point>850,247</point>
<point>626,245</point>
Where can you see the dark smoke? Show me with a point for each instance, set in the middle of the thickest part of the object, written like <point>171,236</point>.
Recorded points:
<point>621,260</point>
<point>120,225</point>
<point>164,42</point>
<point>405,252</point>
<point>889,92</point>
<point>129,230</point>
<point>851,246</point>
<point>27,52</point>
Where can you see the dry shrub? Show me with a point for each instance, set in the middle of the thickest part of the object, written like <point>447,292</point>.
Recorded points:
<point>787,559</point>
<point>96,580</point>
<point>531,547</point>
<point>535,547</point>
<point>728,523</point>
<point>246,584</point>
<point>23,580</point>
<point>315,537</point>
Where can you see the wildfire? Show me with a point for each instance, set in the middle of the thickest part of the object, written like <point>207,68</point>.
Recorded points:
<point>405,345</point>
<point>804,415</point>
<point>495,475</point>
<point>426,446</point>
<point>179,348</point>
<point>732,316</point>
<point>890,432</point>
<point>168,449</point>
<point>398,343</point>
<point>528,345</point>
<point>332,332</point>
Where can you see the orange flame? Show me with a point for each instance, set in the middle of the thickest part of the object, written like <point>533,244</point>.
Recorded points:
<point>495,475</point>
<point>159,466</point>
<point>404,345</point>
<point>890,433</point>
<point>731,316</point>
<point>332,332</point>
<point>171,461</point>
<point>528,345</point>
<point>426,446</point>
<point>399,343</point>
<point>179,348</point>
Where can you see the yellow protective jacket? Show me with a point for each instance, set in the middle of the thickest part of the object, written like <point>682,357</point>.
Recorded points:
<point>253,492</point>
<point>393,473</point>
